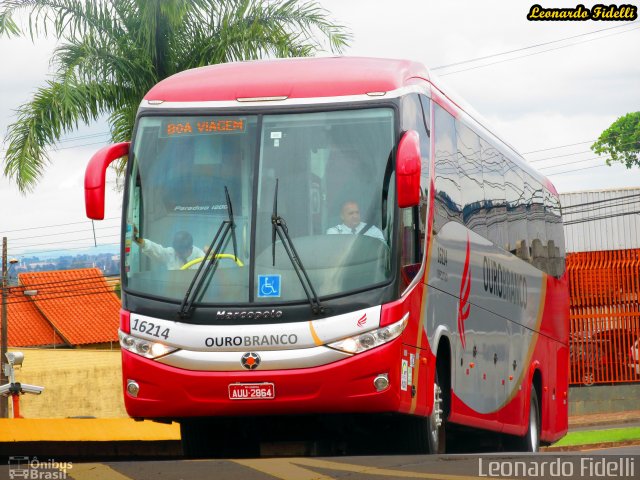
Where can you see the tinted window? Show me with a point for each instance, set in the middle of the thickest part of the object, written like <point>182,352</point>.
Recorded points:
<point>474,208</point>
<point>448,201</point>
<point>516,205</point>
<point>412,230</point>
<point>537,229</point>
<point>555,234</point>
<point>424,172</point>
<point>323,161</point>
<point>494,193</point>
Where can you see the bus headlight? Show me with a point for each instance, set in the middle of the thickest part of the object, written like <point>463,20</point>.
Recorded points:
<point>142,347</point>
<point>371,339</point>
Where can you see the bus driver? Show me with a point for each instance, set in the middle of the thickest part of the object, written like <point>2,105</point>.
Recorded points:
<point>175,257</point>
<point>351,224</point>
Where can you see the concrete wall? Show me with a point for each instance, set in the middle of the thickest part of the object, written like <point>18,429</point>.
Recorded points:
<point>77,383</point>
<point>604,399</point>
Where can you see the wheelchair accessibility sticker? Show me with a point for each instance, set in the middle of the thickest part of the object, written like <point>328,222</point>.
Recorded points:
<point>268,286</point>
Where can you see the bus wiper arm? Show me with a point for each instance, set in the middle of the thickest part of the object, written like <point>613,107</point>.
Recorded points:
<point>210,260</point>
<point>279,227</point>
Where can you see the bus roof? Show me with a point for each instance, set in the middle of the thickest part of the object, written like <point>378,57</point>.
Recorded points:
<point>291,78</point>
<point>311,77</point>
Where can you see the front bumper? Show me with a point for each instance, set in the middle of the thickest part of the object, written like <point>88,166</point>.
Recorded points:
<point>340,387</point>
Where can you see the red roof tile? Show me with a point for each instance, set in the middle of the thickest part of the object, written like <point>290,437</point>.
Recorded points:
<point>79,303</point>
<point>26,326</point>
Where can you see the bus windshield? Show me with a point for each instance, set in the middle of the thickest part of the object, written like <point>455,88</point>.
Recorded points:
<point>334,171</point>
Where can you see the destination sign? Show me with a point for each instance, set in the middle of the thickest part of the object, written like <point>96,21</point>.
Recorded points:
<point>201,126</point>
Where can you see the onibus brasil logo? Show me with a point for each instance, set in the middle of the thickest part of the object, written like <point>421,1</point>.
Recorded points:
<point>32,468</point>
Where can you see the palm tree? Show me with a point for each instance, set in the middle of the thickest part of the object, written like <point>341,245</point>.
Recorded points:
<point>113,52</point>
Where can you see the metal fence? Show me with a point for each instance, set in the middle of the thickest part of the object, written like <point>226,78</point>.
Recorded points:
<point>605,316</point>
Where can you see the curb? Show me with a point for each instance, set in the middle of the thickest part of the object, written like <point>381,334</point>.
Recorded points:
<point>590,446</point>
<point>85,430</point>
<point>93,451</point>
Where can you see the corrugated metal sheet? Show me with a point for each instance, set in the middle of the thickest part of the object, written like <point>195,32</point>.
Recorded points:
<point>601,220</point>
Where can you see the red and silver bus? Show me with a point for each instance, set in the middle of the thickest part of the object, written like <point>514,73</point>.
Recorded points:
<point>337,240</point>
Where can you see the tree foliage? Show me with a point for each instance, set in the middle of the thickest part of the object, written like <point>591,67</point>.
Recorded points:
<point>621,141</point>
<point>113,51</point>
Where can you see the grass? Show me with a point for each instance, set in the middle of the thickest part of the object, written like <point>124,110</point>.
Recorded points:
<point>588,437</point>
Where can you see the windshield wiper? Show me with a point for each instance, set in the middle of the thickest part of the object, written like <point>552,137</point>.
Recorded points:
<point>279,227</point>
<point>210,260</point>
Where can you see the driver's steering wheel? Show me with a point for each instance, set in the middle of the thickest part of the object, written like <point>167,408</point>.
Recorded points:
<point>195,261</point>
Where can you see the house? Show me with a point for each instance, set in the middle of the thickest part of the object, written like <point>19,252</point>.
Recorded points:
<point>63,309</point>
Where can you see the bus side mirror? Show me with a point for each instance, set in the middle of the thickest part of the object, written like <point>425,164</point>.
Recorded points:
<point>94,177</point>
<point>408,162</point>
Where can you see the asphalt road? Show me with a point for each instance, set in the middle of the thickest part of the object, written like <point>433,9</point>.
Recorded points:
<point>620,462</point>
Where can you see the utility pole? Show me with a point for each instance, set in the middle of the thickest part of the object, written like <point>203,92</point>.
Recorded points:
<point>4,404</point>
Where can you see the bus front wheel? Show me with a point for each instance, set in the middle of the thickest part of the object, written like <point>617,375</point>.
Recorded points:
<point>194,439</point>
<point>436,431</point>
<point>218,438</point>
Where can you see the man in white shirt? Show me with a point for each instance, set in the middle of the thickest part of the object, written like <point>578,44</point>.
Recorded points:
<point>351,224</point>
<point>174,257</point>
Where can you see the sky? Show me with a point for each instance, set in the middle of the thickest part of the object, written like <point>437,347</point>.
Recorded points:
<point>562,84</point>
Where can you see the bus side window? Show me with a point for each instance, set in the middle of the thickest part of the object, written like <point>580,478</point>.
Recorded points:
<point>474,204</point>
<point>411,225</point>
<point>448,202</point>
<point>539,254</point>
<point>494,194</point>
<point>522,250</point>
<point>425,169</point>
<point>555,234</point>
<point>536,228</point>
<point>516,208</point>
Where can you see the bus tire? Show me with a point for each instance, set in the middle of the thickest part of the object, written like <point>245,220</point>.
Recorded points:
<point>436,424</point>
<point>201,438</point>
<point>194,440</point>
<point>531,440</point>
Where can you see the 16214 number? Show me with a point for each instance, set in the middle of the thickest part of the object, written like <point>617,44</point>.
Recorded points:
<point>150,328</point>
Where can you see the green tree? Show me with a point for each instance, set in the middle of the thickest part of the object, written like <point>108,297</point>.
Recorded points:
<point>113,51</point>
<point>621,141</point>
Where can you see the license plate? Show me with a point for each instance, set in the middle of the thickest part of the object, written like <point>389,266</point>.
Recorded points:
<point>252,391</point>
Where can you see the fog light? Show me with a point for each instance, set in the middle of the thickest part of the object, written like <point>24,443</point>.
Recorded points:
<point>133,388</point>
<point>381,382</point>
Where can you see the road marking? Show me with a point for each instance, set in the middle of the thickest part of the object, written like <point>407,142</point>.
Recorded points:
<point>288,469</point>
<point>282,468</point>
<point>311,462</point>
<point>94,471</point>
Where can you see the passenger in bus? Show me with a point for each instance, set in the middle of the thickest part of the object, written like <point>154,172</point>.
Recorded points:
<point>352,225</point>
<point>175,257</point>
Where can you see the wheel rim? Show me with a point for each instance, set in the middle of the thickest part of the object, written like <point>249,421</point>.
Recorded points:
<point>436,415</point>
<point>533,428</point>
